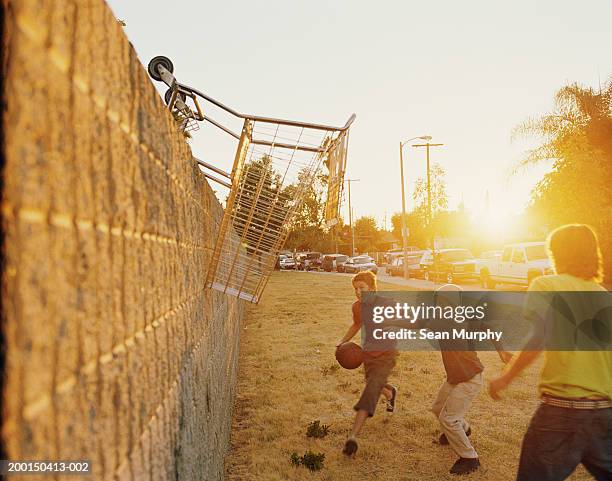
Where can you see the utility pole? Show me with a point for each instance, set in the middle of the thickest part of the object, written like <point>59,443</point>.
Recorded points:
<point>404,226</point>
<point>431,233</point>
<point>351,216</point>
<point>335,233</point>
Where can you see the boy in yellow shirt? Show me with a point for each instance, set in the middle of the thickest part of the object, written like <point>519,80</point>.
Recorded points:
<point>573,424</point>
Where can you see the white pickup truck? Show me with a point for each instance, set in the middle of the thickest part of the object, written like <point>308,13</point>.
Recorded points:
<point>519,264</point>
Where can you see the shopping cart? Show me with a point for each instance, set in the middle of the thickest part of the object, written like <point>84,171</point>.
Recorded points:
<point>275,164</point>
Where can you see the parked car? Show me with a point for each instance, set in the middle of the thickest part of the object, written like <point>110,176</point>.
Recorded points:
<point>414,265</point>
<point>519,264</point>
<point>360,263</point>
<point>491,254</point>
<point>330,262</point>
<point>391,254</point>
<point>287,262</point>
<point>484,259</point>
<point>340,263</point>
<point>396,268</point>
<point>341,266</point>
<point>448,264</point>
<point>299,260</point>
<point>308,261</point>
<point>415,271</point>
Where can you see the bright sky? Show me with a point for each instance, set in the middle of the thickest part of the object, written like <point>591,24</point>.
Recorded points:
<point>463,72</point>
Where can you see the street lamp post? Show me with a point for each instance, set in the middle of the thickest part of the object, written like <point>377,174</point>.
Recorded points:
<point>351,215</point>
<point>429,226</point>
<point>404,226</point>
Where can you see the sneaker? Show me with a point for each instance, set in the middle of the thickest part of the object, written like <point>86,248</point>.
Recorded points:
<point>444,440</point>
<point>391,402</point>
<point>465,466</point>
<point>350,447</point>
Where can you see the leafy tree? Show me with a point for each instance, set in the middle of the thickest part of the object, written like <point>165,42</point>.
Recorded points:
<point>367,234</point>
<point>577,136</point>
<point>258,192</point>
<point>342,237</point>
<point>311,211</point>
<point>439,197</point>
<point>453,224</point>
<point>417,220</point>
<point>307,231</point>
<point>581,118</point>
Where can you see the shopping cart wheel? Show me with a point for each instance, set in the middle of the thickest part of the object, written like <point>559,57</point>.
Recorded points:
<point>168,95</point>
<point>155,62</point>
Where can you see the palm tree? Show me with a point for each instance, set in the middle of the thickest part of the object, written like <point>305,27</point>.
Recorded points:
<point>577,136</point>
<point>580,115</point>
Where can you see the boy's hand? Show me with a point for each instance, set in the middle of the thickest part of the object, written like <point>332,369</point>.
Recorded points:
<point>505,356</point>
<point>497,385</point>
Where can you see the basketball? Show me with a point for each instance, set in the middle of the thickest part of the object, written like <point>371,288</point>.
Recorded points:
<point>349,355</point>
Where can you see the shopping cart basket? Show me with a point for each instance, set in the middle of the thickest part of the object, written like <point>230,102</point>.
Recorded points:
<point>275,164</point>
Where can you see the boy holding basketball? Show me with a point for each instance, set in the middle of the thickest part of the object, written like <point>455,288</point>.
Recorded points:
<point>377,364</point>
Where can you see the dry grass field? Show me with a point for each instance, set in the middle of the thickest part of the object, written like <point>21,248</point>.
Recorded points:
<point>288,377</point>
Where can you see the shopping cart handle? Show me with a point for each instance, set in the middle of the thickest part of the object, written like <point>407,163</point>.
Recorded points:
<point>349,122</point>
<point>161,69</point>
<point>270,120</point>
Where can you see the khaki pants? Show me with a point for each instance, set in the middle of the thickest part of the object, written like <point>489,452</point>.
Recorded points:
<point>450,407</point>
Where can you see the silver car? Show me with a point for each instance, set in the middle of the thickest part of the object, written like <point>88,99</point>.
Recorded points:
<point>359,264</point>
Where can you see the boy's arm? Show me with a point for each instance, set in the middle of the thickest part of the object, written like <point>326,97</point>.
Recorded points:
<point>504,355</point>
<point>530,353</point>
<point>535,310</point>
<point>524,359</point>
<point>352,330</point>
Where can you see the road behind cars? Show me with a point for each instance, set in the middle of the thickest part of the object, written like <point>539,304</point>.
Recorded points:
<point>421,284</point>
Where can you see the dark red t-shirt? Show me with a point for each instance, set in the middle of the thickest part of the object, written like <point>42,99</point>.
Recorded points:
<point>356,308</point>
<point>459,357</point>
